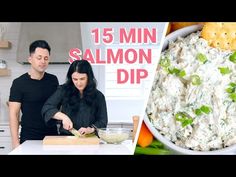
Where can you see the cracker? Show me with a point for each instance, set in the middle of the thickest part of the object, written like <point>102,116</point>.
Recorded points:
<point>220,35</point>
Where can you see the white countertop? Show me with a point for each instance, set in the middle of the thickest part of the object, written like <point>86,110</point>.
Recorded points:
<point>36,147</point>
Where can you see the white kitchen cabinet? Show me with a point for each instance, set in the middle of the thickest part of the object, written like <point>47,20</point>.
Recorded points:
<point>5,139</point>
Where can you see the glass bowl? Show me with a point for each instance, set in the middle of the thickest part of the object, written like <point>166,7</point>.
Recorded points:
<point>114,135</point>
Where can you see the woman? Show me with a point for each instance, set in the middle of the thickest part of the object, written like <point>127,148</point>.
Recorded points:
<point>77,103</point>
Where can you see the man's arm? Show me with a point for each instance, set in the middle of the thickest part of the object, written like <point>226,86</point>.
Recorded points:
<point>14,114</point>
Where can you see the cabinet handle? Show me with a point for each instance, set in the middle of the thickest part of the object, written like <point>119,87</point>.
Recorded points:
<point>2,147</point>
<point>2,130</point>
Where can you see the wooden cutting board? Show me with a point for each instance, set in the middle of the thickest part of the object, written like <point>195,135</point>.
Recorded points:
<point>70,140</point>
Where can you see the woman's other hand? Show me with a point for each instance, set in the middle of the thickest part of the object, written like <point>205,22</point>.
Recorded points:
<point>84,131</point>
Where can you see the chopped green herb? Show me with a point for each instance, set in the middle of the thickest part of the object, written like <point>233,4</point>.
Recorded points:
<point>165,62</point>
<point>174,71</point>
<point>232,57</point>
<point>233,96</point>
<point>179,116</point>
<point>186,122</point>
<point>231,84</point>
<point>205,109</point>
<point>224,70</point>
<point>182,73</point>
<point>198,112</point>
<point>230,90</point>
<point>202,58</point>
<point>195,79</point>
<point>184,118</point>
<point>177,72</point>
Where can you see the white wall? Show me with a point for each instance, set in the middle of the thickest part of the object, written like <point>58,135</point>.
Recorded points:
<point>118,110</point>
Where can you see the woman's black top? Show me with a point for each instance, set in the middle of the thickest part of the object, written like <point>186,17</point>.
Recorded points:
<point>85,115</point>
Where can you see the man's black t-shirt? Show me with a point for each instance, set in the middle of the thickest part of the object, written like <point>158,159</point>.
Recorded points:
<point>32,94</point>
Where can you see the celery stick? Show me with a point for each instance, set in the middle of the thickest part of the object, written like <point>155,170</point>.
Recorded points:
<point>156,143</point>
<point>150,151</point>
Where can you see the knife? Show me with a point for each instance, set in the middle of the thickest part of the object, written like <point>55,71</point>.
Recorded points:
<point>75,132</point>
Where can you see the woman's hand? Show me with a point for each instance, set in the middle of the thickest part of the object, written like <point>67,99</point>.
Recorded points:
<point>67,123</point>
<point>84,131</point>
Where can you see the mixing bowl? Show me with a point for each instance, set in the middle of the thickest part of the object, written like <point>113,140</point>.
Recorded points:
<point>114,135</point>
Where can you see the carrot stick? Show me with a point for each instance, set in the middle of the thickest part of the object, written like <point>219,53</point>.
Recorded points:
<point>145,136</point>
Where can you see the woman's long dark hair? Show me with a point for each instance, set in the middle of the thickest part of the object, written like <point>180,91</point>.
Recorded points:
<point>72,95</point>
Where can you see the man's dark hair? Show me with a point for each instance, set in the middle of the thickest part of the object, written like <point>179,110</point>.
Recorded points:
<point>39,43</point>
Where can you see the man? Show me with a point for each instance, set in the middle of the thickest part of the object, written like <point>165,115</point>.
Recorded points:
<point>28,94</point>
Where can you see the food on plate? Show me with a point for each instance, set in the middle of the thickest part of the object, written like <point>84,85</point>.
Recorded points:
<point>221,35</point>
<point>193,98</point>
<point>145,136</point>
